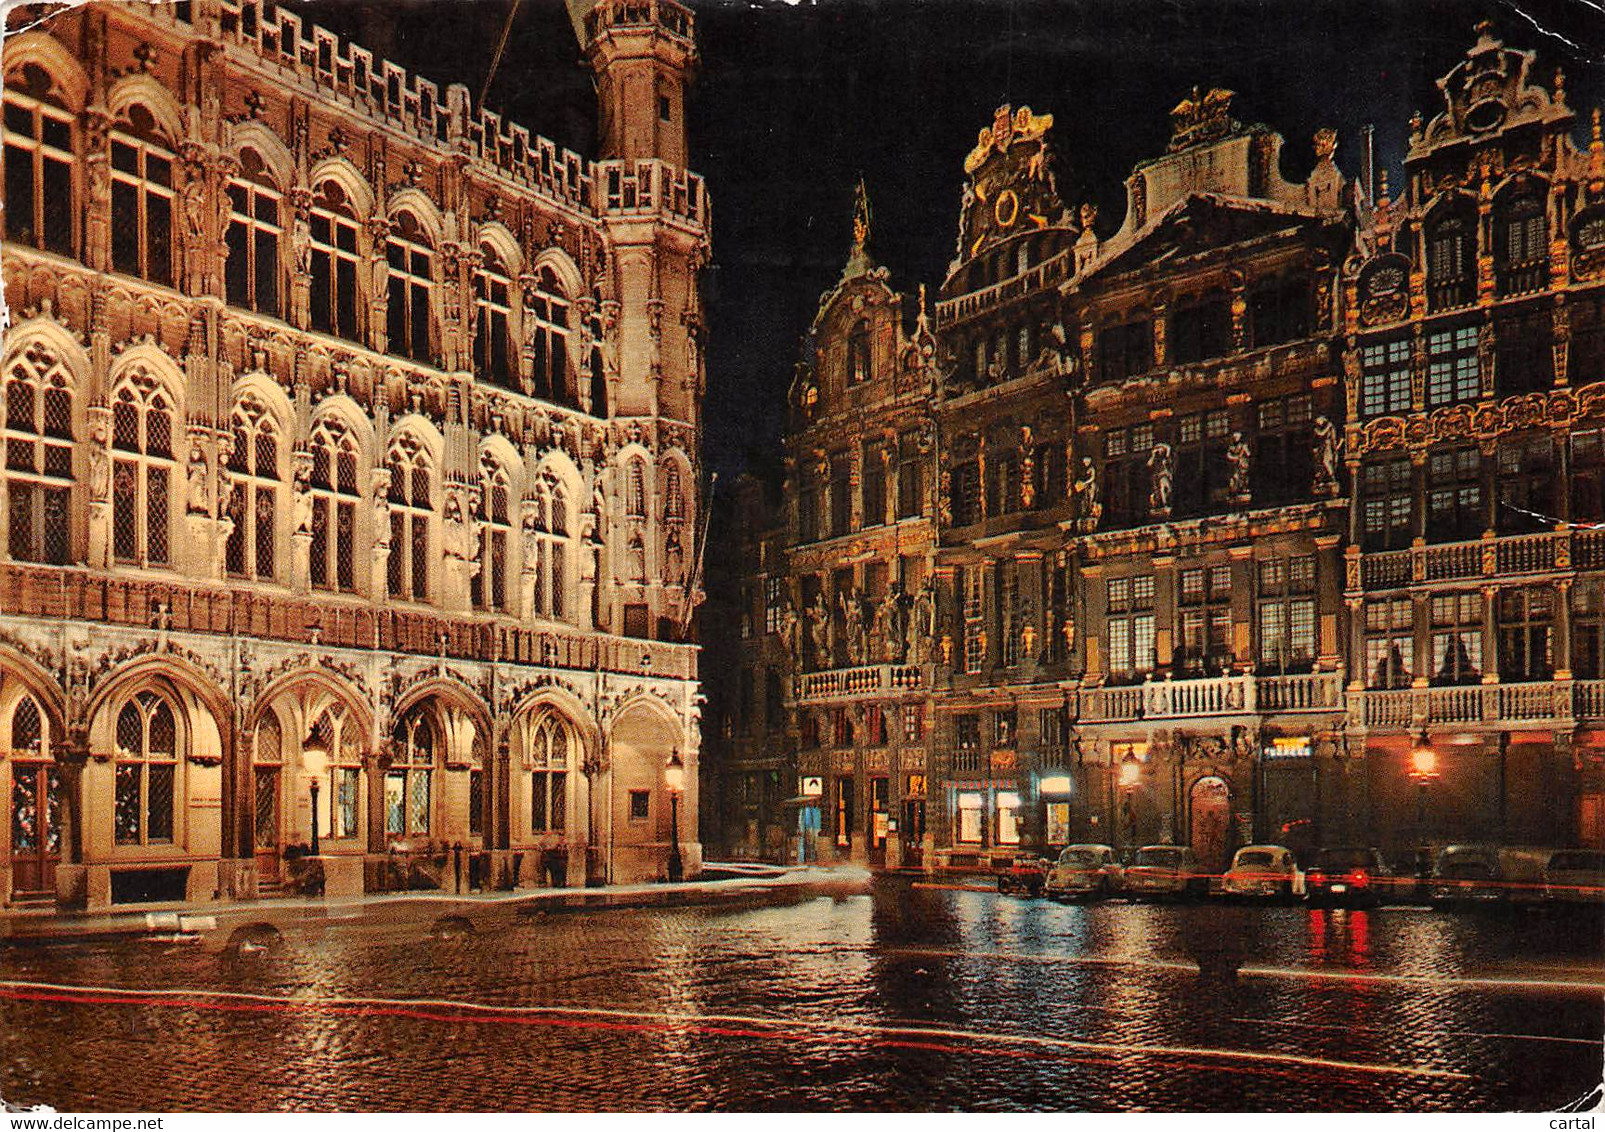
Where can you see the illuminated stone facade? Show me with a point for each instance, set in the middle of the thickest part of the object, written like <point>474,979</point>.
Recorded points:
<point>1235,503</point>
<point>352,456</point>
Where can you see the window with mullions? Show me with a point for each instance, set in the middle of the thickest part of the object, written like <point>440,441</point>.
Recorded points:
<point>1126,477</point>
<point>1521,245</point>
<point>1451,262</point>
<point>142,472</point>
<point>873,488</point>
<point>337,732</point>
<point>1056,580</point>
<point>635,489</point>
<point>1201,478</point>
<point>1524,360</point>
<point>251,273</point>
<point>1284,439</point>
<point>1200,329</point>
<point>1003,484</point>
<point>858,354</point>
<point>1204,601</point>
<point>1286,614</point>
<point>1587,468</point>
<point>807,513</point>
<point>1389,643</point>
<point>334,506</point>
<point>409,781</point>
<point>1130,628</point>
<point>1588,628</point>
<point>1385,502</point>
<point>841,498</point>
<point>411,509</point>
<point>551,753</point>
<point>966,494</point>
<point>333,246</point>
<point>972,587</point>
<point>1526,485</point>
<point>774,593</point>
<point>1279,311</point>
<point>1457,638</point>
<point>967,731</point>
<point>913,723</point>
<point>142,199</point>
<point>146,771</point>
<point>1455,510</point>
<point>1051,472</point>
<point>411,259</point>
<point>550,515</point>
<point>1125,350</point>
<point>1526,633</point>
<point>1009,611</point>
<point>492,310</point>
<point>39,160</point>
<point>910,488</point>
<point>1385,377</point>
<point>1453,372</point>
<point>493,510</point>
<point>546,321</point>
<point>38,458</point>
<point>1585,362</point>
<point>253,491</point>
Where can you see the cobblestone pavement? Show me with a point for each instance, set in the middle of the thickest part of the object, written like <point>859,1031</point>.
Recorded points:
<point>898,997</point>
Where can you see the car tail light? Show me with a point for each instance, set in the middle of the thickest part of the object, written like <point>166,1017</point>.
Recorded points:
<point>1315,876</point>
<point>1358,878</point>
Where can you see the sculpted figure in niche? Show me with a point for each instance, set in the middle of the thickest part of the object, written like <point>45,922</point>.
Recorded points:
<point>791,632</point>
<point>674,565</point>
<point>819,631</point>
<point>637,548</point>
<point>1327,445</point>
<point>1089,508</point>
<point>195,498</point>
<point>923,628</point>
<point>1238,460</point>
<point>99,463</point>
<point>852,607</point>
<point>1159,463</point>
<point>301,499</point>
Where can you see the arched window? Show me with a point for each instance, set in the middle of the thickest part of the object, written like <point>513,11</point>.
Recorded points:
<point>550,543</point>
<point>142,437</point>
<point>35,799</point>
<point>409,781</point>
<point>253,492</point>
<point>254,231</point>
<point>858,354</point>
<point>28,736</point>
<point>598,369</point>
<point>334,506</point>
<point>547,315</point>
<point>491,312</point>
<point>147,769</point>
<point>635,489</point>
<point>673,497</point>
<point>1451,262</point>
<point>412,283</point>
<point>38,469</point>
<point>337,732</point>
<point>39,159</point>
<point>495,532</point>
<point>268,776</point>
<point>411,506</point>
<point>1520,245</point>
<point>141,198</point>
<point>333,244</point>
<point>551,753</point>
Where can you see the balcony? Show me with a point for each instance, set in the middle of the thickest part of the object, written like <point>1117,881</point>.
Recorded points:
<point>1217,695</point>
<point>855,683</point>
<point>1545,702</point>
<point>1500,556</point>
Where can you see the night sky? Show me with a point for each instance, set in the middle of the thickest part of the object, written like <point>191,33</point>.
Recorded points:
<point>795,102</point>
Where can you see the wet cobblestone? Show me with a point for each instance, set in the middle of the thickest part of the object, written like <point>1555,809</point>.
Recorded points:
<point>900,998</point>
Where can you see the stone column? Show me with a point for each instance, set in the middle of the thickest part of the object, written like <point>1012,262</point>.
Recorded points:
<point>71,752</point>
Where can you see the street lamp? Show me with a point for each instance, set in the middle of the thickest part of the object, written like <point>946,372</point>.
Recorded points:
<point>315,761</point>
<point>674,779</point>
<point>1130,775</point>
<point>1424,770</point>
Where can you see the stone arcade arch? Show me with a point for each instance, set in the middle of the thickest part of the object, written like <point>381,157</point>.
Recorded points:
<point>644,735</point>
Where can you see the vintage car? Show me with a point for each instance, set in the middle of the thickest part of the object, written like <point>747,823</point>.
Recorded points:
<point>1025,873</point>
<point>1158,871</point>
<point>1470,875</point>
<point>1351,876</point>
<point>1085,871</point>
<point>1575,876</point>
<point>1262,872</point>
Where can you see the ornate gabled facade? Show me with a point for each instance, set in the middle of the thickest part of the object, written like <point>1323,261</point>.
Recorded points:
<point>352,466</point>
<point>1267,516</point>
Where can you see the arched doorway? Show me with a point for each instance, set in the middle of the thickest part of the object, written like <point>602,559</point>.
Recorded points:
<point>1209,807</point>
<point>35,804</point>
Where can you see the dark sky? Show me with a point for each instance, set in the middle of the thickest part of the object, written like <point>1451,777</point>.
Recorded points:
<point>795,102</point>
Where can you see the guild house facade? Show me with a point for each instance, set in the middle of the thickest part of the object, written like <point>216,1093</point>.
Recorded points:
<point>351,466</point>
<point>1271,512</point>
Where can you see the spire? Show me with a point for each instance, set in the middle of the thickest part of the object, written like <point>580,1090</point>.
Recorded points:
<point>858,261</point>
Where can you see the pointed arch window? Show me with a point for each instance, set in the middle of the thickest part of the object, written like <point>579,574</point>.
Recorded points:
<point>550,543</point>
<point>411,257</point>
<point>146,772</point>
<point>409,783</point>
<point>141,198</point>
<point>598,369</point>
<point>253,494</point>
<point>142,472</point>
<point>38,159</point>
<point>35,792</point>
<point>337,732</point>
<point>254,231</point>
<point>547,312</point>
<point>492,309</point>
<point>673,497</point>
<point>495,533</point>
<point>551,747</point>
<point>333,247</point>
<point>38,460</point>
<point>267,778</point>
<point>635,489</point>
<point>334,506</point>
<point>411,507</point>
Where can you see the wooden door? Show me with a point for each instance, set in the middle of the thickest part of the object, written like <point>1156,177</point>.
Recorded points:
<point>1211,810</point>
<point>35,827</point>
<point>267,834</point>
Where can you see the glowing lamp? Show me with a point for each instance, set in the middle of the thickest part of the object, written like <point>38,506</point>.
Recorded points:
<point>1423,759</point>
<point>674,774</point>
<point>1130,771</point>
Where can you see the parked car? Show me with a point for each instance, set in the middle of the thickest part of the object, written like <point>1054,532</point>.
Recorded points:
<point>1467,875</point>
<point>1349,876</point>
<point>1165,870</point>
<point>1263,872</point>
<point>1085,870</point>
<point>1026,873</point>
<point>1575,876</point>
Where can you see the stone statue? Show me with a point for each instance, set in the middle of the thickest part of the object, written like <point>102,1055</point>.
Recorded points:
<point>947,651</point>
<point>819,631</point>
<point>673,556</point>
<point>1238,460</point>
<point>893,618</point>
<point>99,463</point>
<point>791,633</point>
<point>852,607</point>
<point>301,241</point>
<point>637,548</point>
<point>1089,508</point>
<point>195,210</point>
<point>1159,463</point>
<point>923,628</point>
<point>1327,445</point>
<point>196,500</point>
<point>1028,641</point>
<point>301,499</point>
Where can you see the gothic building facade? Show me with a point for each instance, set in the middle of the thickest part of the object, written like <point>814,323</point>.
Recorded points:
<point>352,442</point>
<point>1271,514</point>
